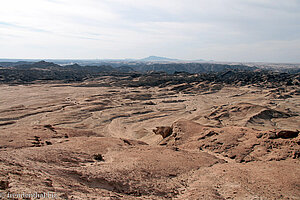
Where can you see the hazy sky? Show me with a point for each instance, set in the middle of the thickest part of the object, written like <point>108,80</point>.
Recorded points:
<point>222,30</point>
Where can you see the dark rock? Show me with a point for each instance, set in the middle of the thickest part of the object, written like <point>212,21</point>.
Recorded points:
<point>37,138</point>
<point>175,148</point>
<point>164,131</point>
<point>50,127</point>
<point>126,141</point>
<point>209,134</point>
<point>150,103</point>
<point>272,135</point>
<point>172,175</point>
<point>296,154</point>
<point>4,185</point>
<point>259,135</point>
<point>98,157</point>
<point>48,182</point>
<point>285,134</point>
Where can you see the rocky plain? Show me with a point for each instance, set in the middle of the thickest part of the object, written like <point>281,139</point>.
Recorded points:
<point>230,135</point>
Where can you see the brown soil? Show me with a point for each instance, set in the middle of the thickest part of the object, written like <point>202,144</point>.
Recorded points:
<point>98,142</point>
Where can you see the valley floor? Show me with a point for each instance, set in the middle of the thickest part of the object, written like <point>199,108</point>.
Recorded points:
<point>82,142</point>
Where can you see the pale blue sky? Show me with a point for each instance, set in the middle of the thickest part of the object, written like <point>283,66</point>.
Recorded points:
<point>221,30</point>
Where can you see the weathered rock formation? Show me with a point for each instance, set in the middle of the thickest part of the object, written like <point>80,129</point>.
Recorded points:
<point>164,131</point>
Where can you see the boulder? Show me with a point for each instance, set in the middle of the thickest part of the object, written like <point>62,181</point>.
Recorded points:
<point>4,185</point>
<point>287,134</point>
<point>164,131</point>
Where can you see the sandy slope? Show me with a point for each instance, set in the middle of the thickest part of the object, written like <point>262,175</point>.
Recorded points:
<point>221,146</point>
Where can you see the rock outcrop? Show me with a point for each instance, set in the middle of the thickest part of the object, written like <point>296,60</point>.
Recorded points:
<point>287,134</point>
<point>164,131</point>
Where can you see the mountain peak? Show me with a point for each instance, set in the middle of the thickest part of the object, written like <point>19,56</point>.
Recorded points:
<point>157,58</point>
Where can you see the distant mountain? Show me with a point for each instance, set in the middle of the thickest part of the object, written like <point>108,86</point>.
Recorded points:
<point>52,66</point>
<point>26,72</point>
<point>157,58</point>
<point>171,68</point>
<point>47,71</point>
<point>12,64</point>
<point>90,69</point>
<point>201,60</point>
<point>35,65</point>
<point>125,69</point>
<point>132,67</point>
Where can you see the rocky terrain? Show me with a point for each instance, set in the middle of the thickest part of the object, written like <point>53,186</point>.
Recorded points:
<point>223,135</point>
<point>28,72</point>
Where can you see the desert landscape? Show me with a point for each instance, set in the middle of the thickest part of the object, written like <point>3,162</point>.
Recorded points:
<point>181,136</point>
<point>150,100</point>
